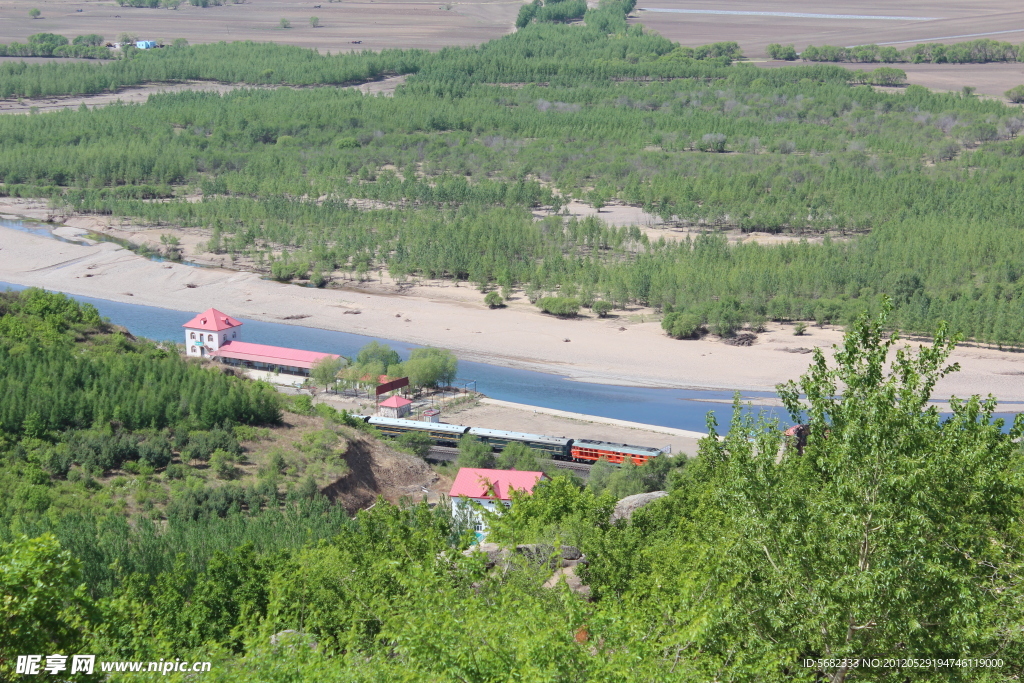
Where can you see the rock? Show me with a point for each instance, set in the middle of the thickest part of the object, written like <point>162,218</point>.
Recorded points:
<point>289,635</point>
<point>494,552</point>
<point>571,552</point>
<point>625,508</point>
<point>568,574</point>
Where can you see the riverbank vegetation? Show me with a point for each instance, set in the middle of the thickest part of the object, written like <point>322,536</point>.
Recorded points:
<point>465,172</point>
<point>763,558</point>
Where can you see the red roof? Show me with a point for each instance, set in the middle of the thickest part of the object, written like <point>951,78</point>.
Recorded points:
<point>395,402</point>
<point>276,355</point>
<point>212,320</point>
<point>472,482</point>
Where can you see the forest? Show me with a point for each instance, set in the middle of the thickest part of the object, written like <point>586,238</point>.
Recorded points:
<point>768,560</point>
<point>466,171</point>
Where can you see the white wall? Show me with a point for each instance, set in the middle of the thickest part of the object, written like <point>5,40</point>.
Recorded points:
<point>211,340</point>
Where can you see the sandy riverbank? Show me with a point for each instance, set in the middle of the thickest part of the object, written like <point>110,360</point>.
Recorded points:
<point>629,349</point>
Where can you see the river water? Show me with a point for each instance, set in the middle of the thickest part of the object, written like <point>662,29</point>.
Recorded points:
<point>679,408</point>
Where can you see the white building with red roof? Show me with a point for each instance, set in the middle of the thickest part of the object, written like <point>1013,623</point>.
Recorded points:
<point>213,334</point>
<point>489,489</point>
<point>210,330</point>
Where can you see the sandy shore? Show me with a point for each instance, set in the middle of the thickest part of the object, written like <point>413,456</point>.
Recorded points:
<point>628,349</point>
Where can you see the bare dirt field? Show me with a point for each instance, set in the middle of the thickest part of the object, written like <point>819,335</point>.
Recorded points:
<point>755,25</point>
<point>379,24</point>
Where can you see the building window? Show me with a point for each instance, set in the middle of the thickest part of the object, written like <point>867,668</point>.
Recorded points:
<point>193,335</point>
<point>209,337</point>
<point>232,334</point>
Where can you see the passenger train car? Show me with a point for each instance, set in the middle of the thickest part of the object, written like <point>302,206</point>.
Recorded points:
<point>560,448</point>
<point>585,450</point>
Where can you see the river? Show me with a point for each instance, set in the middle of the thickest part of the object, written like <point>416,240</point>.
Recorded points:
<point>679,408</point>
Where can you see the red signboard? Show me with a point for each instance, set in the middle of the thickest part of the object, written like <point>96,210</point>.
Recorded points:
<point>392,385</point>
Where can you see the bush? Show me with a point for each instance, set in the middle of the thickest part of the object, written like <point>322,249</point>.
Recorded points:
<point>202,445</point>
<point>417,442</point>
<point>1015,94</point>
<point>784,52</point>
<point>799,329</point>
<point>563,307</point>
<point>494,300</point>
<point>602,308</point>
<point>682,325</point>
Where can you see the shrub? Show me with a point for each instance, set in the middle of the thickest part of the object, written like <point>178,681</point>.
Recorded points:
<point>494,300</point>
<point>682,325</point>
<point>602,308</point>
<point>1015,94</point>
<point>417,442</point>
<point>799,329</point>
<point>284,23</point>
<point>784,52</point>
<point>34,13</point>
<point>563,307</point>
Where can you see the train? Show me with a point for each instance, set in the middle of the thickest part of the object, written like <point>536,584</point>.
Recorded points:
<point>559,448</point>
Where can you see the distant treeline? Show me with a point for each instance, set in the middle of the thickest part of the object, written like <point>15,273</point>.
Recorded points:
<point>53,45</point>
<point>979,51</point>
<point>445,178</point>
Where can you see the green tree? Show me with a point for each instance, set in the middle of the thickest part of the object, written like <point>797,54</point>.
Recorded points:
<point>284,23</point>
<point>888,531</point>
<point>518,456</point>
<point>325,371</point>
<point>314,22</point>
<point>34,13</point>
<point>45,606</point>
<point>431,367</point>
<point>475,453</point>
<point>1015,94</point>
<point>418,442</point>
<point>601,308</point>
<point>494,300</point>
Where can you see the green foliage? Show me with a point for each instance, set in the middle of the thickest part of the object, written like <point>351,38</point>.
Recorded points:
<point>45,607</point>
<point>34,13</point>
<point>430,367</point>
<point>325,372</point>
<point>682,325</point>
<point>284,23</point>
<point>314,22</point>
<point>563,307</point>
<point>494,300</point>
<point>475,453</point>
<point>558,510</point>
<point>980,51</point>
<point>799,328</point>
<point>601,308</point>
<point>518,456</point>
<point>1015,94</point>
<point>417,442</point>
<point>785,52</point>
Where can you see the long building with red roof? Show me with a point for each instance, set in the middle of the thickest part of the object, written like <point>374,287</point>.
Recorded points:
<point>213,334</point>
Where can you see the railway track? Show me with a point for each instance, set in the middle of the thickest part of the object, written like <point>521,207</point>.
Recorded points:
<point>450,454</point>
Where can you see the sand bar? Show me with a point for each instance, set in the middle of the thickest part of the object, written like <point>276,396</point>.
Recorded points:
<point>626,350</point>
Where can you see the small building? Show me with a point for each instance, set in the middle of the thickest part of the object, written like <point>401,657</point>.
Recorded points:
<point>145,44</point>
<point>396,407</point>
<point>491,489</point>
<point>210,330</point>
<point>432,415</point>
